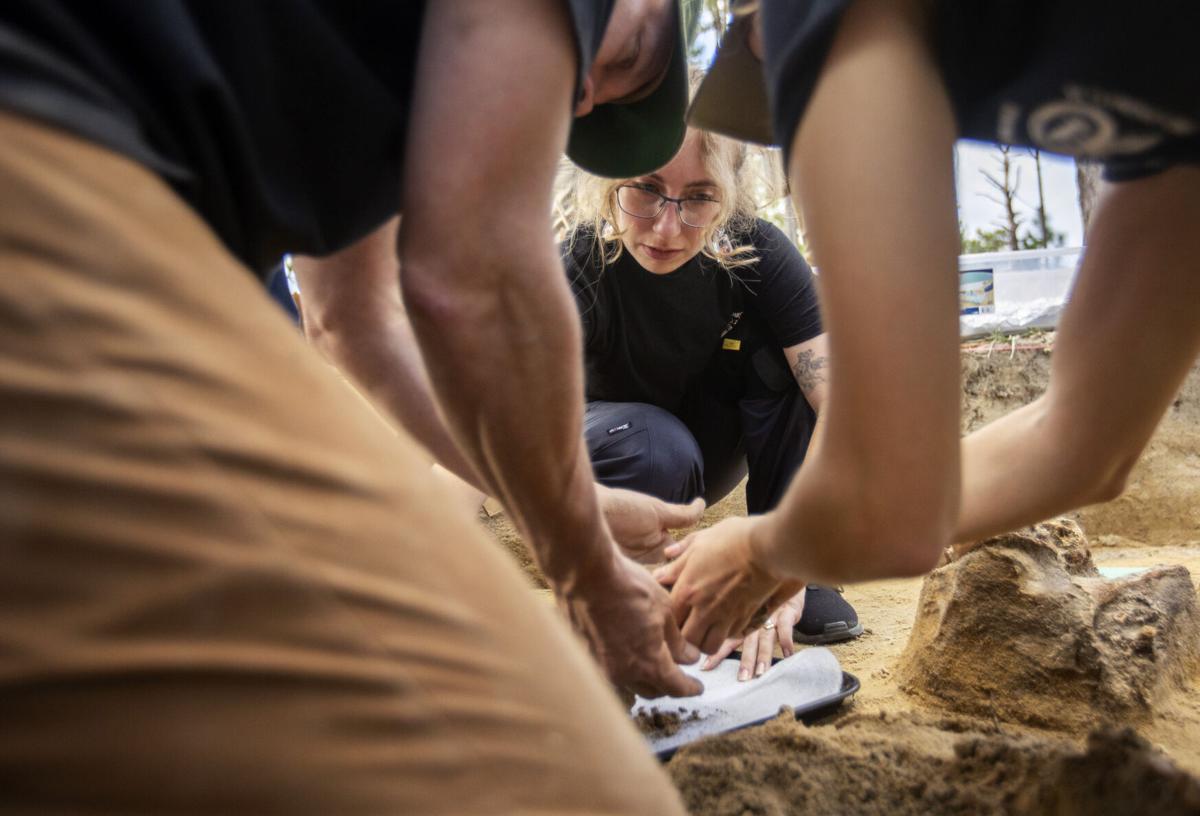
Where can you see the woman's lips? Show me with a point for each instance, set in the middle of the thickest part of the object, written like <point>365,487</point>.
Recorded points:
<point>660,254</point>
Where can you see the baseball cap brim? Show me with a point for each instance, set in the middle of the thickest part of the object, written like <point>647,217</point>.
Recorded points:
<point>732,99</point>
<point>621,141</point>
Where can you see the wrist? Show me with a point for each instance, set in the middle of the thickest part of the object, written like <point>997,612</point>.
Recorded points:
<point>591,577</point>
<point>603,495</point>
<point>764,543</point>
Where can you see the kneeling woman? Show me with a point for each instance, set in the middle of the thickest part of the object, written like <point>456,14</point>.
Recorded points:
<point>704,353</point>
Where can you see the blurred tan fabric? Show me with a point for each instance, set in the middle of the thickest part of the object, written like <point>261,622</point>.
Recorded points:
<point>225,586</point>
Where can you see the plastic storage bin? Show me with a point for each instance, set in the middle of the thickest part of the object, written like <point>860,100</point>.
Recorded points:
<point>1030,288</point>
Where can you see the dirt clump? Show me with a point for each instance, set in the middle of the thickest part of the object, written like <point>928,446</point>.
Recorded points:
<point>657,722</point>
<point>1023,629</point>
<point>917,764</point>
<point>1118,773</point>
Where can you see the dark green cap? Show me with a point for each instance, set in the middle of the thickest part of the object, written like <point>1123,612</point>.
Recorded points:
<point>621,141</point>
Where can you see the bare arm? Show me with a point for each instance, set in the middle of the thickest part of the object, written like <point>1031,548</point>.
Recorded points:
<point>493,314</point>
<point>872,165</point>
<point>481,279</point>
<point>353,314</point>
<point>809,364</point>
<point>1130,329</point>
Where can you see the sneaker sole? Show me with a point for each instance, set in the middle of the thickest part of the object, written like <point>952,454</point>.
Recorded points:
<point>834,633</point>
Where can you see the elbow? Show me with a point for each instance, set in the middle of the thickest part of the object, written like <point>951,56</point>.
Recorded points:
<point>444,283</point>
<point>907,528</point>
<point>1107,480</point>
<point>1094,460</point>
<point>866,529</point>
<point>325,330</point>
<point>912,548</point>
<point>429,299</point>
<point>338,328</point>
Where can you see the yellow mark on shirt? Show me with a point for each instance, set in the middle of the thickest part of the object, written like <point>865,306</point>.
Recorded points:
<point>729,344</point>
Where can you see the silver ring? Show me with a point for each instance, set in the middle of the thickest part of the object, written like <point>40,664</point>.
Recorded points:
<point>770,624</point>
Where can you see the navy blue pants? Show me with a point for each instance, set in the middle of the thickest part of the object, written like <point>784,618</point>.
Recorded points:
<point>749,417</point>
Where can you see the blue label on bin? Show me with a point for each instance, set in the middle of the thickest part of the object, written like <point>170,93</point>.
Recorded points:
<point>976,292</point>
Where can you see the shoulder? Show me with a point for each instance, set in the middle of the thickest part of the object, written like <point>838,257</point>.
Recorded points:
<point>765,236</point>
<point>773,247</point>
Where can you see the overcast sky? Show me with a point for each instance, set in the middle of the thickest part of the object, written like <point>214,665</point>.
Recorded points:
<point>1058,180</point>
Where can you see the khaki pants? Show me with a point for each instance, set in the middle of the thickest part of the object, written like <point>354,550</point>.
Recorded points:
<point>225,585</point>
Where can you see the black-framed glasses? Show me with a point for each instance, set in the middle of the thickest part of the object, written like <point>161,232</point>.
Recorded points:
<point>646,202</point>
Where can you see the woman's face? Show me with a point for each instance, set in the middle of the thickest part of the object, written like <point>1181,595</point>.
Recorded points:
<point>662,243</point>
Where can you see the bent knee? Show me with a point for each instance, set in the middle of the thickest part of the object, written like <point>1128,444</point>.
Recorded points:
<point>645,448</point>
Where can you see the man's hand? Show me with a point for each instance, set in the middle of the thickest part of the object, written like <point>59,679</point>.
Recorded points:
<point>758,647</point>
<point>641,524</point>
<point>628,625</point>
<point>720,585</point>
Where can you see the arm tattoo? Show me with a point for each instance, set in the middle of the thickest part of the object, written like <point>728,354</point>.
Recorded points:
<point>809,370</point>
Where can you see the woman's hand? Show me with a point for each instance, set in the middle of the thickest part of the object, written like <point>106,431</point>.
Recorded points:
<point>758,647</point>
<point>720,584</point>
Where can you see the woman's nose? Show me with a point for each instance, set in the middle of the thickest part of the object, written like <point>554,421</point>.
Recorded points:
<point>667,222</point>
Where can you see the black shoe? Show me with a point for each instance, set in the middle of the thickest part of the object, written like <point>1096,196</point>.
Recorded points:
<point>827,617</point>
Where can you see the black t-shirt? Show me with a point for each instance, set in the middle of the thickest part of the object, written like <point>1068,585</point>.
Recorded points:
<point>1087,78</point>
<point>648,338</point>
<point>282,122</point>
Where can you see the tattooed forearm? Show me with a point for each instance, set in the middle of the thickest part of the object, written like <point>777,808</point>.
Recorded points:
<point>809,370</point>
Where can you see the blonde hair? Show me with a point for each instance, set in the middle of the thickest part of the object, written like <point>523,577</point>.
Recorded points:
<point>586,205</point>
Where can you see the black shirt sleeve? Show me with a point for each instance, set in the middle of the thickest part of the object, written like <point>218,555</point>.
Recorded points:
<point>782,287</point>
<point>797,36</point>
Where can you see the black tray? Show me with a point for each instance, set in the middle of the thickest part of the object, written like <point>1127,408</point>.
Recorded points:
<point>808,713</point>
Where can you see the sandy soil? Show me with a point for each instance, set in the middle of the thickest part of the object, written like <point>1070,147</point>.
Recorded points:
<point>887,751</point>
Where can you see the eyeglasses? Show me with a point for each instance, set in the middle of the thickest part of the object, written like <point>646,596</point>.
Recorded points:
<point>646,202</point>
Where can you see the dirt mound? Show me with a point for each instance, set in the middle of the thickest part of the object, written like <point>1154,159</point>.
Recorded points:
<point>912,764</point>
<point>1024,630</point>
<point>1161,504</point>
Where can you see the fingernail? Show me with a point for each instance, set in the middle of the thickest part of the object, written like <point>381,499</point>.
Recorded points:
<point>762,667</point>
<point>690,654</point>
<point>743,675</point>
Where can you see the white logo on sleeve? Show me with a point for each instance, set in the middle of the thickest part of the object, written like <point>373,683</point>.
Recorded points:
<point>1094,122</point>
